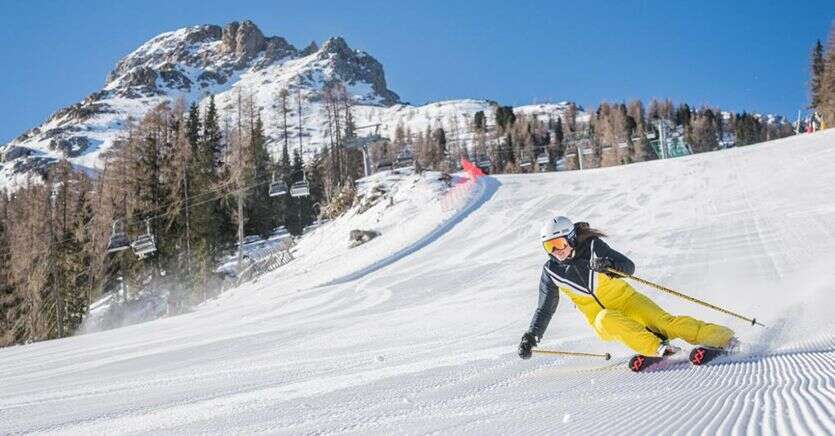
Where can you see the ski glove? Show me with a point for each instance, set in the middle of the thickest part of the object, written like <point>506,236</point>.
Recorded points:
<point>602,264</point>
<point>528,341</point>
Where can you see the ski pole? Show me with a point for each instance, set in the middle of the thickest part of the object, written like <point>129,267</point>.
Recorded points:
<point>753,321</point>
<point>606,356</point>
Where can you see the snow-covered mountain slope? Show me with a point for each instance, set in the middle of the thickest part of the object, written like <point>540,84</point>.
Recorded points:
<point>191,63</point>
<point>236,60</point>
<point>425,341</point>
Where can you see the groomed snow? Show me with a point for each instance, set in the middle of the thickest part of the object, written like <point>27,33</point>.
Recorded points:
<point>423,341</point>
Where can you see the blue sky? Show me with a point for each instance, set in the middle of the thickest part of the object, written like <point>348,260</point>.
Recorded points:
<point>738,55</point>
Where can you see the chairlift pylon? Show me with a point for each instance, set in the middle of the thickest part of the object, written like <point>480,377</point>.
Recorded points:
<point>118,239</point>
<point>145,244</point>
<point>300,188</point>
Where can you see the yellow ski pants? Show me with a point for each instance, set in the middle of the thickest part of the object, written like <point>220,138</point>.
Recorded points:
<point>629,324</point>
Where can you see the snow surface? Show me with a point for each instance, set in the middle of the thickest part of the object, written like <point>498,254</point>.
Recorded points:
<point>415,331</point>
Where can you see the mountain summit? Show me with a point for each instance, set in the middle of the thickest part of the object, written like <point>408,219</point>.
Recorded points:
<point>192,63</point>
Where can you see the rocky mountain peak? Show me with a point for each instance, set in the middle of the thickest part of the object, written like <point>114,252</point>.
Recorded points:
<point>335,45</point>
<point>310,49</point>
<point>245,40</point>
<point>192,63</point>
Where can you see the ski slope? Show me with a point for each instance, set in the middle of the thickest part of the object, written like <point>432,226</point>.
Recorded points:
<point>416,331</point>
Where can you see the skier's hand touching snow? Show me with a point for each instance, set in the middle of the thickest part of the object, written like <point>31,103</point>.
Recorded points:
<point>528,342</point>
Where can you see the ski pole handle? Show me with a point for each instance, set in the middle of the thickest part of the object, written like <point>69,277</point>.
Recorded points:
<point>606,356</point>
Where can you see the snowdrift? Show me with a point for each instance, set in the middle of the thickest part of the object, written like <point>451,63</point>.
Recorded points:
<point>416,332</point>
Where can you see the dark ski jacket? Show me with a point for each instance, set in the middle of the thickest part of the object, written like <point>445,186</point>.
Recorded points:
<point>573,273</point>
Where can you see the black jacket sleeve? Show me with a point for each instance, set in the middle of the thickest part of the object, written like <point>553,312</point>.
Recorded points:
<point>549,297</point>
<point>619,261</point>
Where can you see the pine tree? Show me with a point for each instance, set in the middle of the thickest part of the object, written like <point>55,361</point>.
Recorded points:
<point>817,70</point>
<point>10,298</point>
<point>260,213</point>
<point>479,121</point>
<point>212,138</point>
<point>826,107</point>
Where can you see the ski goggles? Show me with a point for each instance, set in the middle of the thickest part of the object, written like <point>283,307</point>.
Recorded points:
<point>560,243</point>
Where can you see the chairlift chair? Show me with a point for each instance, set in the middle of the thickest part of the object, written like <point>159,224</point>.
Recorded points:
<point>404,159</point>
<point>483,163</point>
<point>384,165</point>
<point>277,187</point>
<point>145,244</point>
<point>542,159</point>
<point>402,162</point>
<point>118,239</point>
<point>300,189</point>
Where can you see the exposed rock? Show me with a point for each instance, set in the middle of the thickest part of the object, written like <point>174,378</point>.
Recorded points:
<point>26,135</point>
<point>359,237</point>
<point>78,112</point>
<point>243,40</point>
<point>15,152</point>
<point>39,165</point>
<point>310,49</point>
<point>175,79</point>
<point>206,33</point>
<point>71,147</point>
<point>277,48</point>
<point>143,78</point>
<point>206,77</point>
<point>354,66</point>
<point>51,133</point>
<point>370,199</point>
<point>337,46</point>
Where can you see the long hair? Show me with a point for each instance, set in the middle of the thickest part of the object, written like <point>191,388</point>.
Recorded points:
<point>584,232</point>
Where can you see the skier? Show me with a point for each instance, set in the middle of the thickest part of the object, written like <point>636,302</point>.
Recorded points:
<point>577,265</point>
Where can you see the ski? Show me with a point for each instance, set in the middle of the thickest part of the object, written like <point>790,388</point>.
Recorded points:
<point>640,363</point>
<point>703,355</point>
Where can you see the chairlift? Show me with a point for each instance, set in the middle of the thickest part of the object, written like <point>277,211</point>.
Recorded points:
<point>402,162</point>
<point>651,135</point>
<point>404,159</point>
<point>118,239</point>
<point>384,165</point>
<point>300,189</point>
<point>525,159</point>
<point>277,187</point>
<point>542,159</point>
<point>145,244</point>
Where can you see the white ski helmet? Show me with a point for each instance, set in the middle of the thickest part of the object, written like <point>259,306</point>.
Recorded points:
<point>557,227</point>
